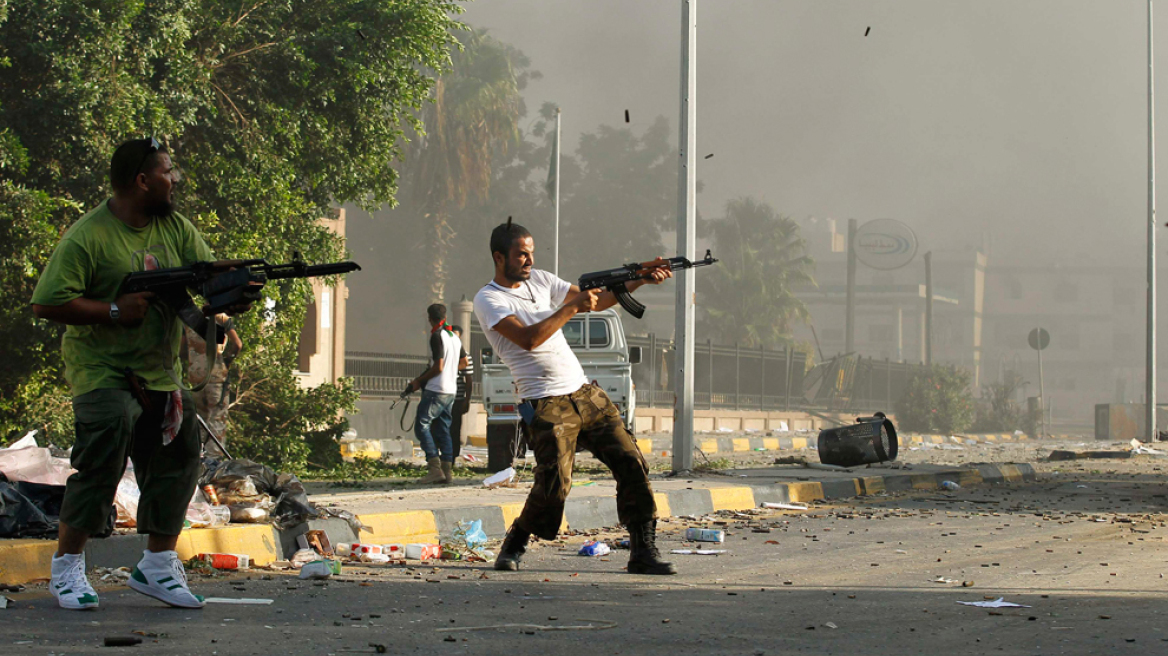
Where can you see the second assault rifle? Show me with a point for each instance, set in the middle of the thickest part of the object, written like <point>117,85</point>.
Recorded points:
<point>222,285</point>
<point>614,280</point>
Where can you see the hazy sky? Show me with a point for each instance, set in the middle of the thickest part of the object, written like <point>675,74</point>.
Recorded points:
<point>1024,118</point>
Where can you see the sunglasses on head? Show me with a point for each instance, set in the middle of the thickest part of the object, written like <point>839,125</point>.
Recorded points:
<point>150,150</point>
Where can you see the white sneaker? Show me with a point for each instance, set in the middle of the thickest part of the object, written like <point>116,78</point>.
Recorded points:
<point>69,585</point>
<point>162,576</point>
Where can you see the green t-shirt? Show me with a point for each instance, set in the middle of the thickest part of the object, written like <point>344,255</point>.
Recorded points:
<point>91,261</point>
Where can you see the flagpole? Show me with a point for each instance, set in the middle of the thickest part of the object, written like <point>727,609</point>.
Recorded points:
<point>556,229</point>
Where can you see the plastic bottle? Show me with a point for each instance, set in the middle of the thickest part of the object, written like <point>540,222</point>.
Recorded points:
<point>950,485</point>
<point>220,515</point>
<point>705,535</point>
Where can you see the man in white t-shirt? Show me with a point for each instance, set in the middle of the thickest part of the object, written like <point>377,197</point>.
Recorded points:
<point>522,311</point>
<point>438,385</point>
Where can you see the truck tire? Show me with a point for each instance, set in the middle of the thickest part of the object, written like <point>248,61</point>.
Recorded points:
<point>501,446</point>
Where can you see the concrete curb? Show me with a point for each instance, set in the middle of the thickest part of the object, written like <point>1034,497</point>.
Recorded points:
<point>22,561</point>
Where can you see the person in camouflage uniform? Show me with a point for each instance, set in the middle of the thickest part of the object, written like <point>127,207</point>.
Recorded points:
<point>522,311</point>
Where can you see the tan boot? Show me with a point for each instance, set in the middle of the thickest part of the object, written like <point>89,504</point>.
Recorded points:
<point>448,471</point>
<point>435,475</point>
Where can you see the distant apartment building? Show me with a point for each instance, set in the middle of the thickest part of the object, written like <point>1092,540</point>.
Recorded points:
<point>890,305</point>
<point>1094,312</point>
<point>1095,316</point>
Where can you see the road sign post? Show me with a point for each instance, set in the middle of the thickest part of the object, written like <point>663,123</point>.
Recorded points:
<point>1039,339</point>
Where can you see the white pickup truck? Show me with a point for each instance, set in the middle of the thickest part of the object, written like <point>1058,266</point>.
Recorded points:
<point>598,340</point>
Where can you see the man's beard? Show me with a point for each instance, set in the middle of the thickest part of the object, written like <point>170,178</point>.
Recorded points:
<point>516,274</point>
<point>160,208</point>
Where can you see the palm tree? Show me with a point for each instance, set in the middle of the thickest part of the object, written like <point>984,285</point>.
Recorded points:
<point>748,297</point>
<point>472,117</point>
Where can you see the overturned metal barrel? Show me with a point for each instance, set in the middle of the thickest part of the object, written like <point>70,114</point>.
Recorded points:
<point>869,440</point>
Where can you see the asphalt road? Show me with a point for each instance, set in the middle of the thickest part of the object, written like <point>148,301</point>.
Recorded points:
<point>1085,549</point>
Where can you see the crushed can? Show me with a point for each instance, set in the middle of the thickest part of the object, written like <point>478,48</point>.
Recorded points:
<point>870,440</point>
<point>225,560</point>
<point>705,535</point>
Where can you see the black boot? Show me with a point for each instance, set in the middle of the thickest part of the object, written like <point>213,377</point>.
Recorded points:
<point>514,546</point>
<point>645,558</point>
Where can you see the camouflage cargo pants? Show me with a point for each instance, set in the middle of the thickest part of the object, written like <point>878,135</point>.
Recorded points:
<point>589,418</point>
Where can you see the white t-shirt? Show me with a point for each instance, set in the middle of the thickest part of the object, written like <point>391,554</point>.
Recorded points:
<point>550,369</point>
<point>445,347</point>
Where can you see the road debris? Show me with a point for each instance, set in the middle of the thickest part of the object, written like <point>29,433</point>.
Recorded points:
<point>698,552</point>
<point>122,641</point>
<point>1000,602</point>
<point>594,548</point>
<point>785,506</point>
<point>600,625</point>
<point>239,601</point>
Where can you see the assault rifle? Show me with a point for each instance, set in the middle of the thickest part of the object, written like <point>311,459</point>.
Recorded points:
<point>223,285</point>
<point>614,280</point>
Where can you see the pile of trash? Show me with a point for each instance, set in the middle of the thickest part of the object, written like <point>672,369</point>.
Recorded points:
<point>252,493</point>
<point>32,486</point>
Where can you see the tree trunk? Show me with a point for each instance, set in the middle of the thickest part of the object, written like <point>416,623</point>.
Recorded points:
<point>440,236</point>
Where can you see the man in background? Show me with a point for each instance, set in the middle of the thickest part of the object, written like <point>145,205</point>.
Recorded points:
<point>465,382</point>
<point>432,423</point>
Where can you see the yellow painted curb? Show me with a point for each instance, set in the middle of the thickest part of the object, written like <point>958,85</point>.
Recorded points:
<point>256,540</point>
<point>645,445</point>
<point>403,527</point>
<point>770,443</point>
<point>923,481</point>
<point>873,484</point>
<point>708,446</point>
<point>510,512</point>
<point>477,440</point>
<point>798,442</point>
<point>969,477</point>
<point>24,560</point>
<point>662,500</point>
<point>732,498</point>
<point>937,439</point>
<point>1010,473</point>
<point>809,491</point>
<point>740,444</point>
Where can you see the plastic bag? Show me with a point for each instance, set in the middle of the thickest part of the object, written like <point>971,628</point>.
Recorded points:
<point>35,465</point>
<point>473,534</point>
<point>126,500</point>
<point>20,517</point>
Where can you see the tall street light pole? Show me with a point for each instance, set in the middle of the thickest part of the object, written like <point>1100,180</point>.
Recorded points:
<point>686,246</point>
<point>1150,374</point>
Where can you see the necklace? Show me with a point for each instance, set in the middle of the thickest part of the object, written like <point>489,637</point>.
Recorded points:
<point>530,293</point>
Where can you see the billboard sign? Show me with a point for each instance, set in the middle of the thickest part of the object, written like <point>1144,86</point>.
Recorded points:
<point>885,244</point>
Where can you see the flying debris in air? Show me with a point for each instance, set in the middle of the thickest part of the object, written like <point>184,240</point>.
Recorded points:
<point>361,34</point>
<point>867,31</point>
<point>626,116</point>
<point>709,156</point>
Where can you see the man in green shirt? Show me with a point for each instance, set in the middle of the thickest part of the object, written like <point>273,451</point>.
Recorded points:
<point>135,230</point>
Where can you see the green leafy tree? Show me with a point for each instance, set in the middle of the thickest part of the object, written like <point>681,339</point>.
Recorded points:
<point>937,400</point>
<point>275,110</point>
<point>470,126</point>
<point>616,197</point>
<point>747,298</point>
